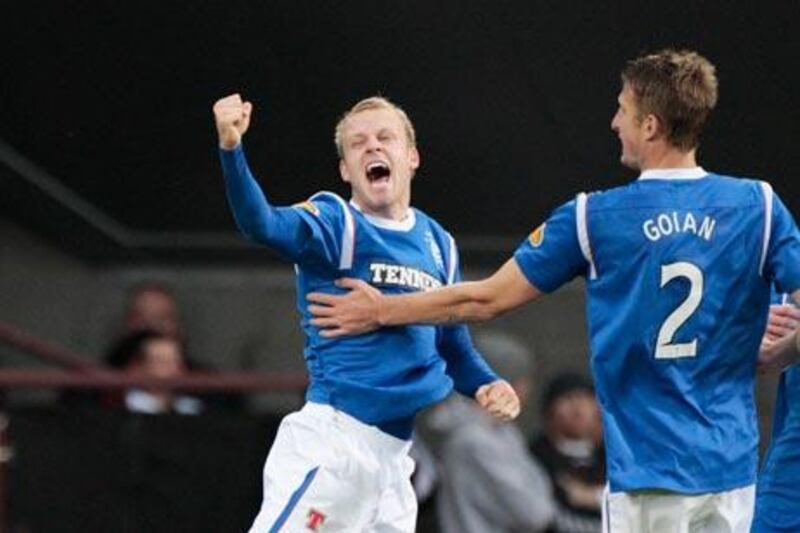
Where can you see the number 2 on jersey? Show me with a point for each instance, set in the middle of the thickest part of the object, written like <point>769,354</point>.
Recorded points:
<point>665,348</point>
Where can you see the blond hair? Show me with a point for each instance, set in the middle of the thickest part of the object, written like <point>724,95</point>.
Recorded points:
<point>679,87</point>
<point>369,104</point>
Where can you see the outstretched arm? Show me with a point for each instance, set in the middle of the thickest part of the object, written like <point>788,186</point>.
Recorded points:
<point>281,228</point>
<point>365,309</point>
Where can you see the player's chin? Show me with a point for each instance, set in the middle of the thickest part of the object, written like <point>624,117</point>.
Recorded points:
<point>629,162</point>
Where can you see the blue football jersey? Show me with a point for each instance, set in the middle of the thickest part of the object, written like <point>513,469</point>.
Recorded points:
<point>384,377</point>
<point>778,490</point>
<point>678,267</point>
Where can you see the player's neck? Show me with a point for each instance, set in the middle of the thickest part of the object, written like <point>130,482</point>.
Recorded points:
<point>395,212</point>
<point>668,157</point>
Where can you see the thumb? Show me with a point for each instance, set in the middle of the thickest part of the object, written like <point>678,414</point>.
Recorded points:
<point>247,110</point>
<point>482,395</point>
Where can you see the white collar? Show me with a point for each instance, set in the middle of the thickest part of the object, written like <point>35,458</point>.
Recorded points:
<point>673,174</point>
<point>387,223</point>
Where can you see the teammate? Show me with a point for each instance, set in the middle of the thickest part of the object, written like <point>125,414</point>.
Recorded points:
<point>341,463</point>
<point>678,266</point>
<point>778,490</point>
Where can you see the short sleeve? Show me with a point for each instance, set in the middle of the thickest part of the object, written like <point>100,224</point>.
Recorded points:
<point>551,255</point>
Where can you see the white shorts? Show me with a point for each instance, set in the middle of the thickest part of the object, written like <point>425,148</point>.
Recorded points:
<point>665,512</point>
<point>329,472</point>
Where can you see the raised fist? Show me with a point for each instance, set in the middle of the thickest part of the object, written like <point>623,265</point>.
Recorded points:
<point>232,116</point>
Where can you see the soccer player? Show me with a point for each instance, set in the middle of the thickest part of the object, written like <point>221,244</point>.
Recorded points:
<point>778,489</point>
<point>341,463</point>
<point>678,266</point>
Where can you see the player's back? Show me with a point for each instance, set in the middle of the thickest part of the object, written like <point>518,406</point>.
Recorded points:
<point>676,308</point>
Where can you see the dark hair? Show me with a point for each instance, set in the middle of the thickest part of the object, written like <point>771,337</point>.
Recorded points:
<point>128,348</point>
<point>564,384</point>
<point>679,87</point>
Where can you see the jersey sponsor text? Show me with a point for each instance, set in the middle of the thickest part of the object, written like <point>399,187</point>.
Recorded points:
<point>403,276</point>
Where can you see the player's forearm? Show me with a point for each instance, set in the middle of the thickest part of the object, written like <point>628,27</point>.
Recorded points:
<point>474,301</point>
<point>464,363</point>
<point>462,302</point>
<point>789,348</point>
<point>250,207</point>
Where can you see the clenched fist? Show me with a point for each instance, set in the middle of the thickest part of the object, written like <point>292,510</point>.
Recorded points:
<point>232,116</point>
<point>498,399</point>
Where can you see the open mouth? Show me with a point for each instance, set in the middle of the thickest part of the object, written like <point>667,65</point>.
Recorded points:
<point>378,170</point>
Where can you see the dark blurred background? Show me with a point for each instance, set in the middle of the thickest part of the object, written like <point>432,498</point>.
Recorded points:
<point>110,177</point>
<point>512,102</point>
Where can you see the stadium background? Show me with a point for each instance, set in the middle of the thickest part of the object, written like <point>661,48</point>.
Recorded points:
<point>110,176</point>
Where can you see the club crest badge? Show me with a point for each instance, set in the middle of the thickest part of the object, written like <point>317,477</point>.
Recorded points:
<point>537,236</point>
<point>308,206</point>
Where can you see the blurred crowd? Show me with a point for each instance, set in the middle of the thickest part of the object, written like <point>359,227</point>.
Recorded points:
<point>473,473</point>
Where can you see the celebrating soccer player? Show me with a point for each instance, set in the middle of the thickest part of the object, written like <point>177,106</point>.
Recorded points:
<point>678,267</point>
<point>341,463</point>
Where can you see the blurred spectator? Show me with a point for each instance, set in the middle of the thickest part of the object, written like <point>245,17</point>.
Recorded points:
<point>425,480</point>
<point>489,481</point>
<point>571,450</point>
<point>152,306</point>
<point>151,354</point>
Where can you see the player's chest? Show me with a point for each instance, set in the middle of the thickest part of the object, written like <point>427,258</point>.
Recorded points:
<point>410,261</point>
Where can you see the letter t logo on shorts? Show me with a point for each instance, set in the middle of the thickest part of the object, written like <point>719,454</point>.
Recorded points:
<point>315,519</point>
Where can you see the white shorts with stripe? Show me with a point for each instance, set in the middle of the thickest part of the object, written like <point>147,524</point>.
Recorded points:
<point>668,512</point>
<point>329,472</point>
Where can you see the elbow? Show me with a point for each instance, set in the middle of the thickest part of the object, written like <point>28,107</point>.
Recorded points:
<point>246,231</point>
<point>475,312</point>
<point>252,228</point>
<point>488,303</point>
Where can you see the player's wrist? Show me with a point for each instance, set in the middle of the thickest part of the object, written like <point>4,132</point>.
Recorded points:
<point>229,145</point>
<point>381,314</point>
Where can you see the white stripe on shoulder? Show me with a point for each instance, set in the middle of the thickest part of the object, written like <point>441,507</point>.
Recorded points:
<point>349,234</point>
<point>767,189</point>
<point>583,232</point>
<point>453,257</point>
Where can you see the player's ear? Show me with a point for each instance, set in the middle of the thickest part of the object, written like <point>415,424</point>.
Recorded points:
<point>413,157</point>
<point>653,127</point>
<point>343,171</point>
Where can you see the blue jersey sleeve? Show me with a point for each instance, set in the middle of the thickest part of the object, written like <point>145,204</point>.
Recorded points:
<point>306,232</point>
<point>551,255</point>
<point>783,255</point>
<point>464,363</point>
